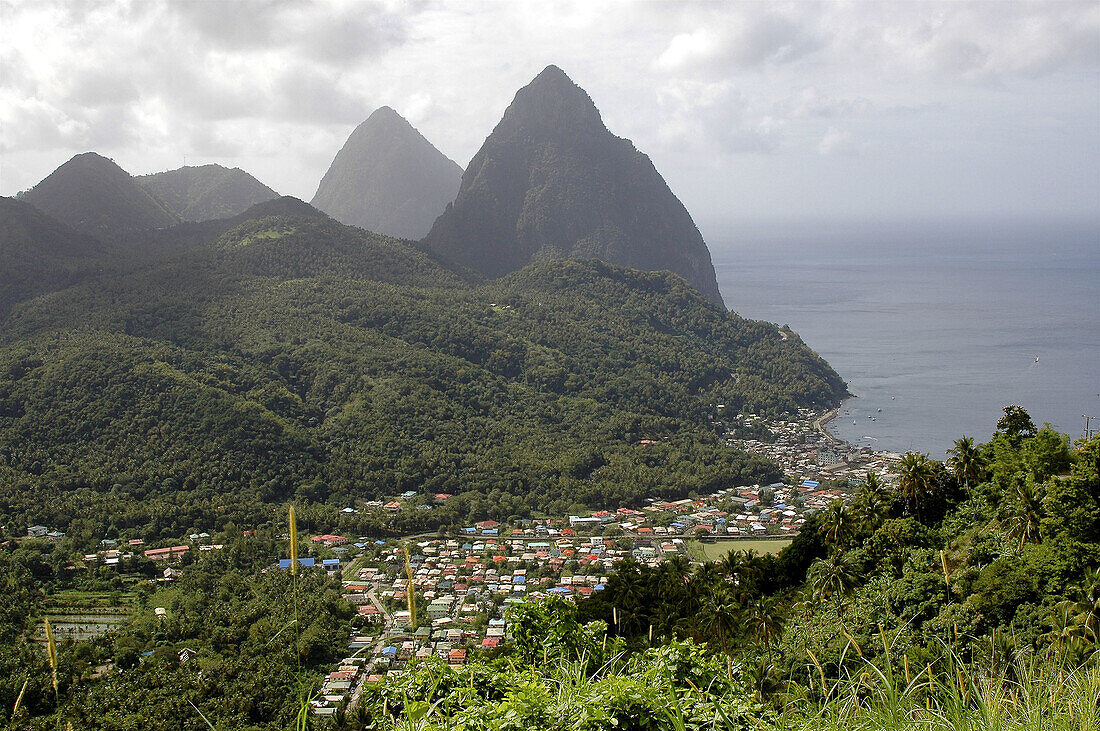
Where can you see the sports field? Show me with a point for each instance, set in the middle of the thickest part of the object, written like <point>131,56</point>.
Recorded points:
<point>718,549</point>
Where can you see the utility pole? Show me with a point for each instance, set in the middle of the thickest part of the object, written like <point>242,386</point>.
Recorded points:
<point>1088,420</point>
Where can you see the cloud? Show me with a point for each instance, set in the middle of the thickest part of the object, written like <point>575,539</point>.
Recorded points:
<point>748,36</point>
<point>329,32</point>
<point>965,40</point>
<point>706,87</point>
<point>308,94</point>
<point>715,116</point>
<point>30,124</point>
<point>836,142</point>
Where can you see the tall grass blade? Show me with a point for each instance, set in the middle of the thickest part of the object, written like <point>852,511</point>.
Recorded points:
<point>19,698</point>
<point>51,651</point>
<point>293,542</point>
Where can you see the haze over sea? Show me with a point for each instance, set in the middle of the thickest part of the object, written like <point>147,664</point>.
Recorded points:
<point>938,324</point>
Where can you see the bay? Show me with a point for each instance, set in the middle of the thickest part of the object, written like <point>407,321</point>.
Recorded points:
<point>934,325</point>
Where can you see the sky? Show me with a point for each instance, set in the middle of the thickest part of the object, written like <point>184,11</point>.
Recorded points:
<point>750,110</point>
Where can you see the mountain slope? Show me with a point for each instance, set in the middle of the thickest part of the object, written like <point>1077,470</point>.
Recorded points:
<point>206,192</point>
<point>289,356</point>
<point>388,178</point>
<point>551,181</point>
<point>40,254</point>
<point>95,196</point>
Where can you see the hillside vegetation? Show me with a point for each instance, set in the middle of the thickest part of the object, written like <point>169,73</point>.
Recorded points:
<point>206,192</point>
<point>966,597</point>
<point>285,356</point>
<point>93,195</point>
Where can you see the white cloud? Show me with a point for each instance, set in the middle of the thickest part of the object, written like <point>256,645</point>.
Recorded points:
<point>705,88</point>
<point>745,35</point>
<point>836,142</point>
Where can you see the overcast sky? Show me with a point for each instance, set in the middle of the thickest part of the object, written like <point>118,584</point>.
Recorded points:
<point>749,110</point>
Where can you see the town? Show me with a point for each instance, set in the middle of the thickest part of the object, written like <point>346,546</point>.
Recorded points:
<point>447,595</point>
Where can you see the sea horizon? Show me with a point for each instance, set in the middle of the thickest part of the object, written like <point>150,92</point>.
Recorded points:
<point>936,324</point>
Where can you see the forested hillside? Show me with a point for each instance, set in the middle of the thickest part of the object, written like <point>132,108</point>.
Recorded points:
<point>40,254</point>
<point>966,596</point>
<point>206,192</point>
<point>95,196</point>
<point>286,357</point>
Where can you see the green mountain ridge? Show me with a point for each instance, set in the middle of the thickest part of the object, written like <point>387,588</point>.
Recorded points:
<point>206,192</point>
<point>290,356</point>
<point>39,254</point>
<point>96,197</point>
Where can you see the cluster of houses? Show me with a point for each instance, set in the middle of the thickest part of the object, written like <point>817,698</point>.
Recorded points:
<point>806,452</point>
<point>115,552</point>
<point>44,532</point>
<point>463,587</point>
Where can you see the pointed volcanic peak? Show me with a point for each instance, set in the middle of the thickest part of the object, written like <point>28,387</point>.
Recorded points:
<point>95,196</point>
<point>206,192</point>
<point>388,178</point>
<point>551,182</point>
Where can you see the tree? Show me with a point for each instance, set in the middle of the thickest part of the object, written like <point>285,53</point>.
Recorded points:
<point>1015,423</point>
<point>832,577</point>
<point>916,479</point>
<point>966,461</point>
<point>872,502</point>
<point>1083,606</point>
<point>839,524</point>
<point>766,620</point>
<point>1072,506</point>
<point>1025,512</point>
<point>721,616</point>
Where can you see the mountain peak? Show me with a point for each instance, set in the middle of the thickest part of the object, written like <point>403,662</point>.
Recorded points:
<point>384,112</point>
<point>388,178</point>
<point>206,192</point>
<point>552,99</point>
<point>552,75</point>
<point>552,182</point>
<point>92,194</point>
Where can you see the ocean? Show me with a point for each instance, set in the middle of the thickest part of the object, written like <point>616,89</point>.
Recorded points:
<point>936,326</point>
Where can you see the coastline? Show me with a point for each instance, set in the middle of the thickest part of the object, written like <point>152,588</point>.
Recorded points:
<point>821,425</point>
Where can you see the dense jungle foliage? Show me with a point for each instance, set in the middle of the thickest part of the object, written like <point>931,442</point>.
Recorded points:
<point>965,596</point>
<point>290,357</point>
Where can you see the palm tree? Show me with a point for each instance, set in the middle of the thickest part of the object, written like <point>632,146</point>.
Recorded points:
<point>730,563</point>
<point>766,621</point>
<point>1085,605</point>
<point>967,462</point>
<point>1066,636</point>
<point>748,571</point>
<point>916,479</point>
<point>721,616</point>
<point>872,502</point>
<point>838,523</point>
<point>832,577</point>
<point>674,573</point>
<point>1026,512</point>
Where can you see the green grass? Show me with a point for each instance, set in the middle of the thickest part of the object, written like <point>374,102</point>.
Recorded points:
<point>1027,694</point>
<point>714,551</point>
<point>75,598</point>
